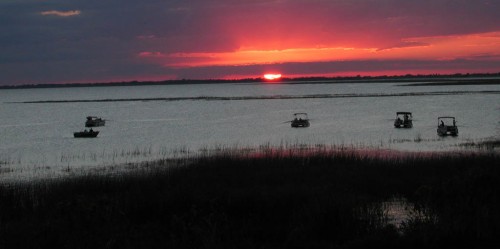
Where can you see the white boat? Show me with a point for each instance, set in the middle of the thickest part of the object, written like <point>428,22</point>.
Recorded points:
<point>403,120</point>
<point>300,120</point>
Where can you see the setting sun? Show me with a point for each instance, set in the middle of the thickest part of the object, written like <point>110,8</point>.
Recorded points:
<point>270,76</point>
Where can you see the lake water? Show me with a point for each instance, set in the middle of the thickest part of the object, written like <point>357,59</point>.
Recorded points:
<point>37,138</point>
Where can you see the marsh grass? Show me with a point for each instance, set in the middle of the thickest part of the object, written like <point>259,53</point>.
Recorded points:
<point>267,197</point>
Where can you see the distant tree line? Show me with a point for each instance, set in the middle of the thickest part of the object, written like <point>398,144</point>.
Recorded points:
<point>338,79</point>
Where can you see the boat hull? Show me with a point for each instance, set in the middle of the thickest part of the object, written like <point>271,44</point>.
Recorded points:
<point>95,123</point>
<point>447,130</point>
<point>403,124</point>
<point>86,134</point>
<point>300,124</point>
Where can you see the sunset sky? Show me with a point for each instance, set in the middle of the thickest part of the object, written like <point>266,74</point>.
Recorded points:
<point>66,41</point>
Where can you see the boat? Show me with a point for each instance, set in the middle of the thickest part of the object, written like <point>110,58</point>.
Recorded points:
<point>93,121</point>
<point>300,120</point>
<point>86,133</point>
<point>403,120</point>
<point>447,126</point>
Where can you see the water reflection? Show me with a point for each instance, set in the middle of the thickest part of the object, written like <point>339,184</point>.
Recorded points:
<point>37,136</point>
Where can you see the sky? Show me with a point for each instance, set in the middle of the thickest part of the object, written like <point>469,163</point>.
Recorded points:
<point>82,41</point>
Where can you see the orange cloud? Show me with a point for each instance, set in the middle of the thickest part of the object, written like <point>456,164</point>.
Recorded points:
<point>151,54</point>
<point>249,57</point>
<point>61,13</point>
<point>419,48</point>
<point>449,47</point>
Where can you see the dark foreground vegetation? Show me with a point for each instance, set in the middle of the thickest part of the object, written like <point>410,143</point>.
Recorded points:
<point>268,200</point>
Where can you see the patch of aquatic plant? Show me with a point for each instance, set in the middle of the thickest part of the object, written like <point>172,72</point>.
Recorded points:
<point>488,144</point>
<point>266,197</point>
<point>4,169</point>
<point>417,139</point>
<point>125,155</point>
<point>9,160</point>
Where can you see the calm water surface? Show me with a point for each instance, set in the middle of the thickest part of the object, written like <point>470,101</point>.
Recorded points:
<point>37,138</point>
